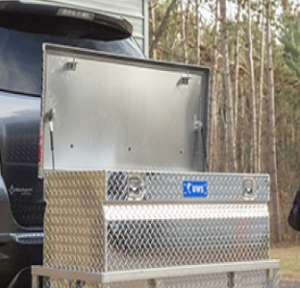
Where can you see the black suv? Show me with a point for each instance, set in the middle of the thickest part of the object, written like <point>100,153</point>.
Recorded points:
<point>23,30</point>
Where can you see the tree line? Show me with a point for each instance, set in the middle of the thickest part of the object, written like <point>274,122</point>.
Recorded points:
<point>253,50</point>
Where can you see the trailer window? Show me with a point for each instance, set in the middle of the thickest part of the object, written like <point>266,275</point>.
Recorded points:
<point>21,56</point>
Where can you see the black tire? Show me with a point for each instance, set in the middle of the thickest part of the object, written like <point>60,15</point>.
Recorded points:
<point>22,279</point>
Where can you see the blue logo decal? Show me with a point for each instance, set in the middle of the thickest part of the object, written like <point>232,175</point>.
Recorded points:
<point>194,189</point>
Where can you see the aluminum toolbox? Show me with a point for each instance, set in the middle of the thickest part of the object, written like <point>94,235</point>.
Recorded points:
<point>94,224</point>
<point>100,223</point>
<point>117,134</point>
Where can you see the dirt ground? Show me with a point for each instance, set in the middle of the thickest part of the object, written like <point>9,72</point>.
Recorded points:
<point>285,284</point>
<point>290,264</point>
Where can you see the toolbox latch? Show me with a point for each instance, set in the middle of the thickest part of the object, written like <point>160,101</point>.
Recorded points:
<point>250,188</point>
<point>135,187</point>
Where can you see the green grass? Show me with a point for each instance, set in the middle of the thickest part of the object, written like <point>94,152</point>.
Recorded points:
<point>290,261</point>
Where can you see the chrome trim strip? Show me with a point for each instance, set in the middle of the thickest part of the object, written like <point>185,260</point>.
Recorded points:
<point>27,238</point>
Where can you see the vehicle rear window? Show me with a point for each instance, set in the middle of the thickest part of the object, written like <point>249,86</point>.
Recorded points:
<point>21,56</point>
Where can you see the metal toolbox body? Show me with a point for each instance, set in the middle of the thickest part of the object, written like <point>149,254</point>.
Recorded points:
<point>94,223</point>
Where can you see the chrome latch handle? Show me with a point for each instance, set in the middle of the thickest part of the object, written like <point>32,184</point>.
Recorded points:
<point>250,188</point>
<point>135,188</point>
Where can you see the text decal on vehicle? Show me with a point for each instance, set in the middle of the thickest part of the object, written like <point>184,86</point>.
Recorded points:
<point>195,189</point>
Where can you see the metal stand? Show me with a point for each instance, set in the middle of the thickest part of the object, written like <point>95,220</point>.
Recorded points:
<point>152,278</point>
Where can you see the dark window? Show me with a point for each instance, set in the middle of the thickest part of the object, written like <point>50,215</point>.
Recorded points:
<point>21,56</point>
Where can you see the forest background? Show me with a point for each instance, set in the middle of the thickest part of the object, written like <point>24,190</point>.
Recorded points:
<point>253,50</point>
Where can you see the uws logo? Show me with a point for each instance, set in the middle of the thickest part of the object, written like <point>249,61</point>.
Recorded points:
<point>195,189</point>
<point>20,191</point>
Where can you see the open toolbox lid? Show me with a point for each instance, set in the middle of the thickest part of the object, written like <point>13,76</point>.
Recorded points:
<point>104,111</point>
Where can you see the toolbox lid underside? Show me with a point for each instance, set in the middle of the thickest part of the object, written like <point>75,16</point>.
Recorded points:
<point>109,111</point>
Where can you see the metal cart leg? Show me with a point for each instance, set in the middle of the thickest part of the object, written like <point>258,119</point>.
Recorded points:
<point>36,281</point>
<point>231,280</point>
<point>275,278</point>
<point>152,283</point>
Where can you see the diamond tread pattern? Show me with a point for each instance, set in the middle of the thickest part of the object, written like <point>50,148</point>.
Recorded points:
<point>90,225</point>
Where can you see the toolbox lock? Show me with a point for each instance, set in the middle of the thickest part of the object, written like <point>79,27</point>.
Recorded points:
<point>135,188</point>
<point>250,188</point>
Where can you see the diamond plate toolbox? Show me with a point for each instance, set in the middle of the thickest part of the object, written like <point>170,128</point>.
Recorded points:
<point>143,222</point>
<point>110,221</point>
